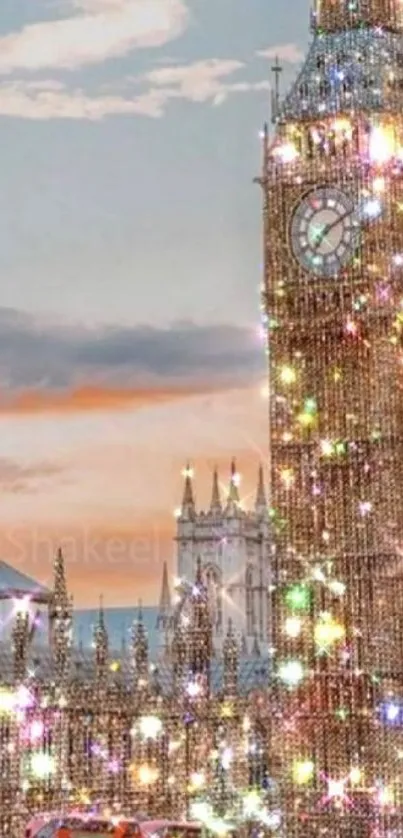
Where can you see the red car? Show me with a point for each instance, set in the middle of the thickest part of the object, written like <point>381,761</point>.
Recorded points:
<point>90,826</point>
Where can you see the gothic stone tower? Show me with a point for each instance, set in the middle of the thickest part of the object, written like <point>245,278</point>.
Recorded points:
<point>332,182</point>
<point>233,547</point>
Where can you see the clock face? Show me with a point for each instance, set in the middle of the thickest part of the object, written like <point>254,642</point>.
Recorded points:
<point>324,231</point>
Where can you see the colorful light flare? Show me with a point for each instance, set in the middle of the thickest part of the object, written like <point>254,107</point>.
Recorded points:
<point>382,144</point>
<point>328,631</point>
<point>298,597</point>
<point>42,765</point>
<point>291,672</point>
<point>303,772</point>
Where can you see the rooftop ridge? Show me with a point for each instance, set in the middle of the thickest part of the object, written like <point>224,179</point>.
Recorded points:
<point>15,580</point>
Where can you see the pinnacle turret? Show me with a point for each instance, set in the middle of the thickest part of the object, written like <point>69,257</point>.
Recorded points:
<point>179,651</point>
<point>165,613</point>
<point>200,647</point>
<point>261,501</point>
<point>140,651</point>
<point>233,499</point>
<point>59,580</point>
<point>165,596</point>
<point>215,505</point>
<point>60,618</point>
<point>20,636</point>
<point>101,643</point>
<point>233,493</point>
<point>231,659</point>
<point>188,503</point>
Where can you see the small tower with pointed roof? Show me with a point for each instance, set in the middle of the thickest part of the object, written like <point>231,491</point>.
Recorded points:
<point>140,657</point>
<point>178,656</point>
<point>60,618</point>
<point>101,644</point>
<point>261,500</point>
<point>20,643</point>
<point>165,614</point>
<point>232,540</point>
<point>188,508</point>
<point>230,663</point>
<point>215,505</point>
<point>165,603</point>
<point>232,507</point>
<point>199,632</point>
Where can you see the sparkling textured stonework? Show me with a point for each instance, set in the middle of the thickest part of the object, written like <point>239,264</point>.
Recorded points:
<point>345,71</point>
<point>333,309</point>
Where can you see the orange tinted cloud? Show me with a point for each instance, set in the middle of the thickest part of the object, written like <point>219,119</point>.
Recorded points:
<point>87,399</point>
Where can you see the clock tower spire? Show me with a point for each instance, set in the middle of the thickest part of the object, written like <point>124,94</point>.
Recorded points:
<point>332,184</point>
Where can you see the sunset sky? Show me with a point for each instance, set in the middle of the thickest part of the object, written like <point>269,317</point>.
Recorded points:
<point>130,256</point>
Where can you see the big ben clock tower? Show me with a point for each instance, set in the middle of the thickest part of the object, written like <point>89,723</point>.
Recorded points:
<point>333,295</point>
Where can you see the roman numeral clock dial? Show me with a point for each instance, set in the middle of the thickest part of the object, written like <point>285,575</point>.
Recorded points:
<point>324,231</point>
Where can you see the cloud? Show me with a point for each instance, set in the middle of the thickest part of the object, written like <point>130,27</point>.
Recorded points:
<point>185,357</point>
<point>201,81</point>
<point>89,399</point>
<point>51,100</point>
<point>96,32</point>
<point>289,53</point>
<point>196,82</point>
<point>16,478</point>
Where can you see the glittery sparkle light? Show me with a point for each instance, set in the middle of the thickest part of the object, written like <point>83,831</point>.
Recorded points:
<point>333,307</point>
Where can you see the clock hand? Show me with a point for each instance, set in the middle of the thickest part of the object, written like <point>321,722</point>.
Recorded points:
<point>329,227</point>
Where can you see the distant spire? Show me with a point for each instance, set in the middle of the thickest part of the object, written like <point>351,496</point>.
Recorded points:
<point>215,505</point>
<point>233,501</point>
<point>59,579</point>
<point>261,502</point>
<point>60,619</point>
<point>20,634</point>
<point>101,642</point>
<point>188,504</point>
<point>199,631</point>
<point>231,661</point>
<point>101,615</point>
<point>179,652</point>
<point>165,596</point>
<point>233,494</point>
<point>140,652</point>
<point>165,606</point>
<point>123,643</point>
